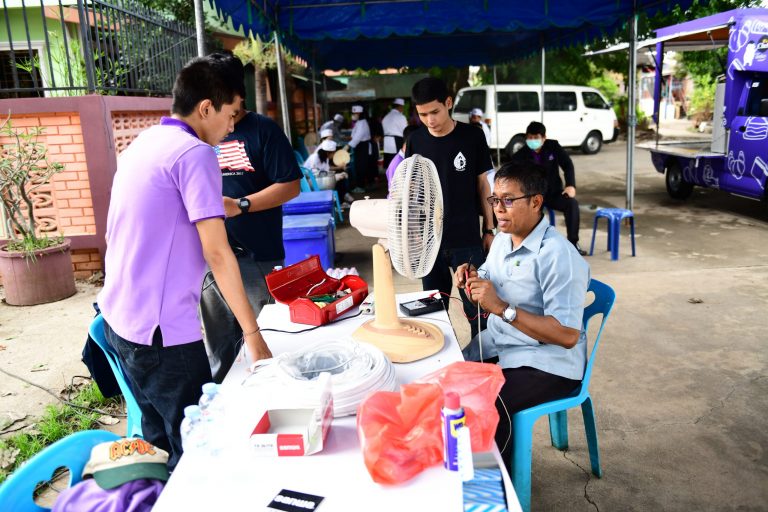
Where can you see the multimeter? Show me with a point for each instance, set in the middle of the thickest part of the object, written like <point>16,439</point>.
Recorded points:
<point>422,306</point>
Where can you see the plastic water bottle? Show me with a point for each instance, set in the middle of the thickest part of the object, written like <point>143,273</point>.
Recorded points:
<point>210,393</point>
<point>191,432</point>
<point>211,417</point>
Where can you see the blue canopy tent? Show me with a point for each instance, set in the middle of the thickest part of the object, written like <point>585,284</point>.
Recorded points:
<point>350,34</point>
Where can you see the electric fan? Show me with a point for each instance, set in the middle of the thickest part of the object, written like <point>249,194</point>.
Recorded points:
<point>412,222</point>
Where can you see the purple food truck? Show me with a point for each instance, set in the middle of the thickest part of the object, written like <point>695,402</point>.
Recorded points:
<point>736,158</point>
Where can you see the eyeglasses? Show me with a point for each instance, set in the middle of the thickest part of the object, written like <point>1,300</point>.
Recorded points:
<point>506,201</point>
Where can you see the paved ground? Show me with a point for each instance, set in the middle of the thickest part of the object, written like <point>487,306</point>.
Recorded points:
<point>680,382</point>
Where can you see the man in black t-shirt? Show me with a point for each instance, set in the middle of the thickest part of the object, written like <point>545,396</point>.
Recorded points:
<point>259,174</point>
<point>462,158</point>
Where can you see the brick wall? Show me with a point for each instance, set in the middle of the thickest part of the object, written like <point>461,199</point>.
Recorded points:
<point>64,206</point>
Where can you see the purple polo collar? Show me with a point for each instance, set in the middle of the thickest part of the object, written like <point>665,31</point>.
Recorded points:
<point>170,121</point>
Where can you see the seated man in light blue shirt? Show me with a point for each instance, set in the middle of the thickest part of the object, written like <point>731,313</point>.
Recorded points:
<point>533,284</point>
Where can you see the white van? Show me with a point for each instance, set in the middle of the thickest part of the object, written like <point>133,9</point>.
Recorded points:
<point>575,116</point>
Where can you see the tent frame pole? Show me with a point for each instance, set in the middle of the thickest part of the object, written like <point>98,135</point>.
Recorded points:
<point>200,27</point>
<point>496,117</point>
<point>314,100</point>
<point>543,70</point>
<point>631,110</point>
<point>281,85</point>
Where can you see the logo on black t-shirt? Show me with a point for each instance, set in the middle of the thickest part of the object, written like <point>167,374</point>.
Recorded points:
<point>232,156</point>
<point>460,162</point>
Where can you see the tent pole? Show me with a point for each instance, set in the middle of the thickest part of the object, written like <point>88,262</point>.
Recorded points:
<point>496,117</point>
<point>326,114</point>
<point>631,111</point>
<point>281,86</point>
<point>200,27</point>
<point>314,100</point>
<point>543,69</point>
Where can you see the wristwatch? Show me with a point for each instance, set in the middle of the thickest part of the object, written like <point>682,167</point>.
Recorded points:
<point>244,204</point>
<point>509,314</point>
<point>488,232</point>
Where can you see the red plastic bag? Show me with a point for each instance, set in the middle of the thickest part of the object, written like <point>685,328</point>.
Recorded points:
<point>400,433</point>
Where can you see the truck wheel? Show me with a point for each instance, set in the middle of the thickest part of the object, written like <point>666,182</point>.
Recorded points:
<point>677,188</point>
<point>592,143</point>
<point>515,144</point>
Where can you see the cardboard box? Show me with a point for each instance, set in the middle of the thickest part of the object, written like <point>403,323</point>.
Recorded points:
<point>293,432</point>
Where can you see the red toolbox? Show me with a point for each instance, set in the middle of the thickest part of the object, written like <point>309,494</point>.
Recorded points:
<point>294,283</point>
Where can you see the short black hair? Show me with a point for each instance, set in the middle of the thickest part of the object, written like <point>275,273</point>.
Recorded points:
<point>536,128</point>
<point>531,176</point>
<point>429,89</point>
<point>408,130</point>
<point>218,77</point>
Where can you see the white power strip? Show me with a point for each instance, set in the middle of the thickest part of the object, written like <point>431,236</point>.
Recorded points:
<point>367,306</point>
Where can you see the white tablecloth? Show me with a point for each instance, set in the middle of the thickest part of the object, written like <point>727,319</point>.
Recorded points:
<point>238,480</point>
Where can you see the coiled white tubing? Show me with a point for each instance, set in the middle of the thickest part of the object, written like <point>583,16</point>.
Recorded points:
<point>368,370</point>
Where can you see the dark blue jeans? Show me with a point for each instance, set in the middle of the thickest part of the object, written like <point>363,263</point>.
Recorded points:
<point>164,381</point>
<point>441,278</point>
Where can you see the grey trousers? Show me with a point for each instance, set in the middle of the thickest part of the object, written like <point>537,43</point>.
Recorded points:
<point>222,335</point>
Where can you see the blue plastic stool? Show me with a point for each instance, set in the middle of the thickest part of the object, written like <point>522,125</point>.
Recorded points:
<point>72,452</point>
<point>523,421</point>
<point>614,217</point>
<point>133,427</point>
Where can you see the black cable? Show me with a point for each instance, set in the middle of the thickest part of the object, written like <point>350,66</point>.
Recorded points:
<point>312,328</point>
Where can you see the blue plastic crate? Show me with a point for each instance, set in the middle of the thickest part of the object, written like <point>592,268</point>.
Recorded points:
<point>310,202</point>
<point>305,235</point>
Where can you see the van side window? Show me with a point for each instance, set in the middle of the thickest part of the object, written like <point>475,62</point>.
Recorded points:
<point>560,101</point>
<point>469,100</point>
<point>522,101</point>
<point>757,102</point>
<point>594,100</point>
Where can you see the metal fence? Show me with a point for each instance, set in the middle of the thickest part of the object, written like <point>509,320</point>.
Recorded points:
<point>69,48</point>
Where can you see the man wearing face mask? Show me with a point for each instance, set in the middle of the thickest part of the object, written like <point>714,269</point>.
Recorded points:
<point>551,155</point>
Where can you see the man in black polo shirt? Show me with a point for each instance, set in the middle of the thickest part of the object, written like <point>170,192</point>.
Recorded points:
<point>259,174</point>
<point>462,158</point>
<point>551,155</point>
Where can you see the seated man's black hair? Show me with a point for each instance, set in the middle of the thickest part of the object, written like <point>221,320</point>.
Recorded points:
<point>531,176</point>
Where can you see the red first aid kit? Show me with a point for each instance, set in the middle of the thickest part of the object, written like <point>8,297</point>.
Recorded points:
<point>294,284</point>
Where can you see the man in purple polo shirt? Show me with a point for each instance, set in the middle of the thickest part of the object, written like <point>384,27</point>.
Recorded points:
<point>166,220</point>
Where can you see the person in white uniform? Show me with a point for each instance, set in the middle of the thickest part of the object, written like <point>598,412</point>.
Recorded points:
<point>321,164</point>
<point>476,119</point>
<point>335,126</point>
<point>393,123</point>
<point>363,150</point>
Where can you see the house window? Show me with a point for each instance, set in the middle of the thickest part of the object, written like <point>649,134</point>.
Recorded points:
<point>27,72</point>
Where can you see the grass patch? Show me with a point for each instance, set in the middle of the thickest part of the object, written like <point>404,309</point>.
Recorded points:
<point>58,421</point>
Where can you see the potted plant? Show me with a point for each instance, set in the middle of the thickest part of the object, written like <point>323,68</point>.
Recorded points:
<point>35,268</point>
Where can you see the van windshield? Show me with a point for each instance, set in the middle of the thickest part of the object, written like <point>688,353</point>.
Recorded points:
<point>594,100</point>
<point>469,100</point>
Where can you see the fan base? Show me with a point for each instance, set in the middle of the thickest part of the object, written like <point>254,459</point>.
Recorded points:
<point>408,341</point>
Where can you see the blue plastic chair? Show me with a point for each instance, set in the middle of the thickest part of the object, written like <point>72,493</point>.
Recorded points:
<point>309,177</point>
<point>299,158</point>
<point>302,148</point>
<point>133,427</point>
<point>551,213</point>
<point>72,452</point>
<point>614,216</point>
<point>523,421</point>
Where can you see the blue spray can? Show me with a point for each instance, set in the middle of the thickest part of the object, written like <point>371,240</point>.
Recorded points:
<point>453,418</point>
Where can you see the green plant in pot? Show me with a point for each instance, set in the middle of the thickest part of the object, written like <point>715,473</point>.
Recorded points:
<point>34,267</point>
